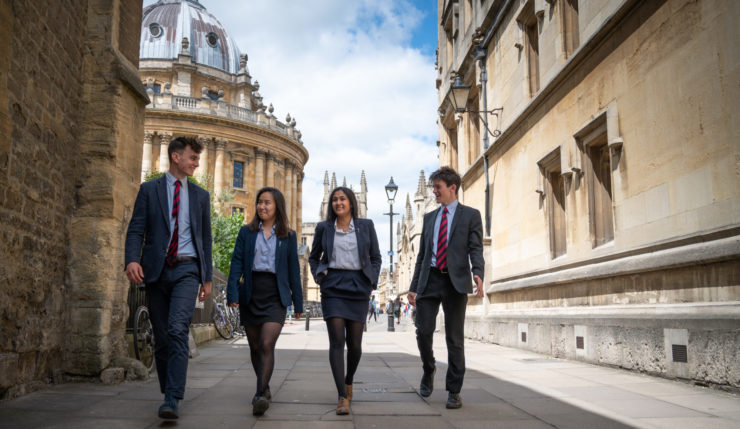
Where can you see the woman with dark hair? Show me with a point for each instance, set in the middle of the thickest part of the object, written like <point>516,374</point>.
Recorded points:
<point>345,262</point>
<point>266,257</point>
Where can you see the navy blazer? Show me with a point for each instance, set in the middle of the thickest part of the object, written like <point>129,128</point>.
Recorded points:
<point>367,247</point>
<point>150,227</point>
<point>464,250</point>
<point>286,267</point>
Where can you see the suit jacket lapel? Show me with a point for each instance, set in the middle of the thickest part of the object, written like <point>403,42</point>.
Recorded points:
<point>360,239</point>
<point>430,231</point>
<point>455,220</point>
<point>278,244</point>
<point>193,204</point>
<point>162,196</point>
<point>329,240</point>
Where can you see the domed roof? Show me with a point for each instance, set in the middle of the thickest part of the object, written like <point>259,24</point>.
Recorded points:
<point>166,22</point>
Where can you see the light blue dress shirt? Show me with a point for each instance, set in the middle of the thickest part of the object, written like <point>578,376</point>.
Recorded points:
<point>264,251</point>
<point>451,207</point>
<point>345,255</point>
<point>185,238</point>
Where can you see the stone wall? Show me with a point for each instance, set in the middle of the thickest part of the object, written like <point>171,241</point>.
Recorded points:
<point>71,119</point>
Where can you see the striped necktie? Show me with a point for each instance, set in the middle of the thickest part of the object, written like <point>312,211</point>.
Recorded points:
<point>442,242</point>
<point>172,250</point>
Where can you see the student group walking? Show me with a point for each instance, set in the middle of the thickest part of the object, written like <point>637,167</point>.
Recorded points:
<point>168,248</point>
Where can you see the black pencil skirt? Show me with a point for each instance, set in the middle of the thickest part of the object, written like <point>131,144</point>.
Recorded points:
<point>345,294</point>
<point>264,305</point>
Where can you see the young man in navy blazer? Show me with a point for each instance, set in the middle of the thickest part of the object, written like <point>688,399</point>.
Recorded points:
<point>168,247</point>
<point>451,248</point>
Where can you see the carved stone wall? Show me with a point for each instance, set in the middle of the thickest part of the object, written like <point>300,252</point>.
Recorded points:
<point>71,125</point>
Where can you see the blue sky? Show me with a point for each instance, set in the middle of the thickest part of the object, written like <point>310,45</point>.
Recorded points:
<point>358,76</point>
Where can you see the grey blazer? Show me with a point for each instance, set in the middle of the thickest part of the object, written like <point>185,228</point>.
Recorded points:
<point>150,228</point>
<point>464,250</point>
<point>367,244</point>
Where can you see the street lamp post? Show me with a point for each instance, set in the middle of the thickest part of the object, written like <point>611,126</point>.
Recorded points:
<point>390,191</point>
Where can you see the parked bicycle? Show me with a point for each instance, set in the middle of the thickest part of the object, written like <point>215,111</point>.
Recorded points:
<point>222,313</point>
<point>140,325</point>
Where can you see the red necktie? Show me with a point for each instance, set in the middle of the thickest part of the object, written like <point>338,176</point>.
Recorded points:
<point>442,242</point>
<point>172,250</point>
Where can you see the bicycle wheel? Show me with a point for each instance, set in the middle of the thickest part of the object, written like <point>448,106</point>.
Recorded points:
<point>235,320</point>
<point>144,337</point>
<point>222,324</point>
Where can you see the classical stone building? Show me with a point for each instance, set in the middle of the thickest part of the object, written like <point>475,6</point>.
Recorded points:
<point>607,173</point>
<point>71,126</point>
<point>408,234</point>
<point>200,85</point>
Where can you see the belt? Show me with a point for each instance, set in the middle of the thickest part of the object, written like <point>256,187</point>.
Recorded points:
<point>442,271</point>
<point>185,258</point>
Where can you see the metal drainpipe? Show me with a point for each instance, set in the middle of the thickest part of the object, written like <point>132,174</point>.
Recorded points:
<point>480,54</point>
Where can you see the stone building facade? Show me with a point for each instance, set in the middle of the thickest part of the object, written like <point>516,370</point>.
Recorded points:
<point>200,86</point>
<point>71,121</point>
<point>607,174</point>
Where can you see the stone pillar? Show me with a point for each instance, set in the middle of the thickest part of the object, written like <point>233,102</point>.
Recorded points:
<point>259,170</point>
<point>288,192</point>
<point>299,203</point>
<point>270,160</point>
<point>201,173</point>
<point>164,158</point>
<point>146,159</point>
<point>218,170</point>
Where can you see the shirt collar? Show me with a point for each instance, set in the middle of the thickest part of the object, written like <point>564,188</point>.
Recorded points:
<point>171,179</point>
<point>450,207</point>
<point>262,229</point>
<point>351,226</point>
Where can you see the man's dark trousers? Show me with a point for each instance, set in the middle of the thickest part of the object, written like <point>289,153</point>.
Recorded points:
<point>440,290</point>
<point>171,301</point>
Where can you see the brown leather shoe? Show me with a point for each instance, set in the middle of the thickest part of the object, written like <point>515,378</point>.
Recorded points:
<point>348,391</point>
<point>343,407</point>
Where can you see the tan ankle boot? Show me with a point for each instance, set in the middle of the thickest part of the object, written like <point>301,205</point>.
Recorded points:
<point>348,390</point>
<point>343,406</point>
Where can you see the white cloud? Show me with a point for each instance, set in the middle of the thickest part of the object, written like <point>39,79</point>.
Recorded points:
<point>363,98</point>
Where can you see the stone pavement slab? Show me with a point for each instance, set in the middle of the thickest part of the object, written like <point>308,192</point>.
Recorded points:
<point>504,388</point>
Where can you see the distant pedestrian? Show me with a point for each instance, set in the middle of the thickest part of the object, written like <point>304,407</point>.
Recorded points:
<point>397,310</point>
<point>372,310</point>
<point>345,262</point>
<point>443,276</point>
<point>266,257</point>
<point>168,247</point>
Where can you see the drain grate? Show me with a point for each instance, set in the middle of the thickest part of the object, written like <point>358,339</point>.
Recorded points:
<point>579,343</point>
<point>680,354</point>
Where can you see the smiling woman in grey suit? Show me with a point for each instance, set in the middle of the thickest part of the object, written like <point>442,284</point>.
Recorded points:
<point>266,257</point>
<point>345,262</point>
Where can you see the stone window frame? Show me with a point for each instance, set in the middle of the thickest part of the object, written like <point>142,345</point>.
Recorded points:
<point>529,25</point>
<point>553,193</point>
<point>570,26</point>
<point>243,163</point>
<point>590,138</point>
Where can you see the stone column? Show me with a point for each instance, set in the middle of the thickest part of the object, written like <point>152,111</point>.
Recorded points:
<point>259,169</point>
<point>218,170</point>
<point>270,160</point>
<point>299,203</point>
<point>201,173</point>
<point>288,191</point>
<point>146,159</point>
<point>164,158</point>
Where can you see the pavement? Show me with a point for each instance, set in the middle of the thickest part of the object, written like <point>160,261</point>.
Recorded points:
<point>504,388</point>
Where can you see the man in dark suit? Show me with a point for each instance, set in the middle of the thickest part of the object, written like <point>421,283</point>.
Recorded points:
<point>450,250</point>
<point>172,221</point>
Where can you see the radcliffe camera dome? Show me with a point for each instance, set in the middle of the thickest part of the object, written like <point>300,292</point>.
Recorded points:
<point>166,22</point>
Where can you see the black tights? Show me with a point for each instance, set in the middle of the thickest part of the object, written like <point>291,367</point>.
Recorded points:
<point>262,339</point>
<point>343,331</point>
